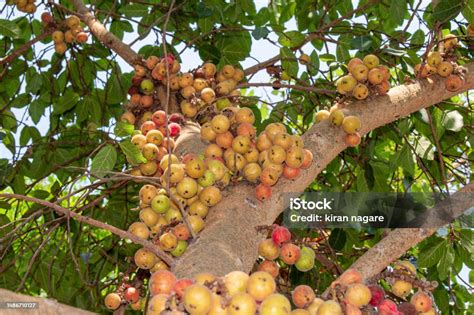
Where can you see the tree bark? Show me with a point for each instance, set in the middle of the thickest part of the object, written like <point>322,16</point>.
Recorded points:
<point>230,240</point>
<point>45,306</point>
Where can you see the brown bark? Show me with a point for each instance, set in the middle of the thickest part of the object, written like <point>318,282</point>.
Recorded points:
<point>229,241</point>
<point>45,306</point>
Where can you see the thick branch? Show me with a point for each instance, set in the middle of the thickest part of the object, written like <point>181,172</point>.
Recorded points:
<point>45,306</point>
<point>399,241</point>
<point>229,241</point>
<point>123,234</point>
<point>106,37</point>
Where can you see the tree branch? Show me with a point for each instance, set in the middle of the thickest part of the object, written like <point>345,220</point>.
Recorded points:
<point>106,37</point>
<point>230,240</point>
<point>399,241</point>
<point>288,86</point>
<point>123,234</point>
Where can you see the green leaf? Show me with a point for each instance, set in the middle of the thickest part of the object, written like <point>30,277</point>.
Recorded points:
<point>342,49</point>
<point>418,38</point>
<point>361,42</point>
<point>406,160</point>
<point>445,262</point>
<point>9,29</point>
<point>381,174</point>
<point>314,66</point>
<point>145,22</point>
<point>104,161</point>
<point>67,101</point>
<point>82,112</point>
<point>209,53</point>
<point>260,32</point>
<point>337,239</point>
<point>41,194</point>
<point>248,6</point>
<point>123,129</point>
<point>120,27</point>
<point>132,152</point>
<point>235,47</point>
<point>468,11</point>
<point>8,120</point>
<point>25,136</point>
<point>398,9</point>
<point>289,61</point>
<point>291,39</point>
<point>21,101</point>
<point>132,10</point>
<point>205,25</point>
<point>4,220</point>
<point>36,110</point>
<point>19,185</point>
<point>262,17</point>
<point>202,11</point>
<point>327,57</point>
<point>467,239</point>
<point>94,107</point>
<point>115,88</point>
<point>34,83</point>
<point>446,10</point>
<point>361,182</point>
<point>432,253</point>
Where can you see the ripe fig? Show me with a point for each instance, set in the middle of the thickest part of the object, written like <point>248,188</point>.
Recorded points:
<point>421,301</point>
<point>275,304</point>
<point>302,296</point>
<point>131,295</point>
<point>281,235</point>
<point>290,253</point>
<point>112,301</point>
<point>236,282</point>
<point>269,266</point>
<point>378,294</point>
<point>161,282</point>
<point>260,285</point>
<point>197,299</point>
<point>358,294</point>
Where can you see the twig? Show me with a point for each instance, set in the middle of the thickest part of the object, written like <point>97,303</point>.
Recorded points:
<point>106,37</point>
<point>289,86</point>
<point>311,36</point>
<point>438,151</point>
<point>8,59</point>
<point>124,234</point>
<point>33,258</point>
